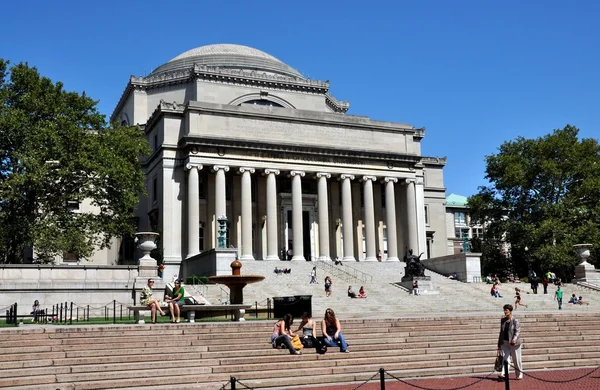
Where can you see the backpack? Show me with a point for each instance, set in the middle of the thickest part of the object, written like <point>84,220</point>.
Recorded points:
<point>320,346</point>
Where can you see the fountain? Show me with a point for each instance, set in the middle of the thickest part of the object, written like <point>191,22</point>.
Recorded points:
<point>236,282</point>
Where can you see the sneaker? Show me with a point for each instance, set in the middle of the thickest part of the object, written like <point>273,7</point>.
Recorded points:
<point>520,377</point>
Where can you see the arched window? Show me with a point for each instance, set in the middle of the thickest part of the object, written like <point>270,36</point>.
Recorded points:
<point>260,102</point>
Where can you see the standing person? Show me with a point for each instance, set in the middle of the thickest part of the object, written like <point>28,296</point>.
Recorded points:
<point>161,270</point>
<point>509,341</point>
<point>379,256</point>
<point>518,298</point>
<point>332,331</point>
<point>282,334</point>
<point>152,303</point>
<point>534,283</point>
<point>415,289</point>
<point>558,294</point>
<point>328,284</point>
<point>313,276</point>
<point>35,310</point>
<point>545,284</point>
<point>176,301</point>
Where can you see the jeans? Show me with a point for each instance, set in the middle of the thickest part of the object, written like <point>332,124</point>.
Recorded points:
<point>340,341</point>
<point>559,303</point>
<point>285,340</point>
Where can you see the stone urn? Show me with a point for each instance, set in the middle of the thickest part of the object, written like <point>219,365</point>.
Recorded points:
<point>585,271</point>
<point>147,243</point>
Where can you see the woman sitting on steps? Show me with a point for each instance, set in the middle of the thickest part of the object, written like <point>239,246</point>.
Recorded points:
<point>282,334</point>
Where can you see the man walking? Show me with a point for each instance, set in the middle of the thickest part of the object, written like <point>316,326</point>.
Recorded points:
<point>509,341</point>
<point>558,296</point>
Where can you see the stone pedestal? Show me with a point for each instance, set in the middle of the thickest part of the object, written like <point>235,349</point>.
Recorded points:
<point>426,286</point>
<point>586,272</point>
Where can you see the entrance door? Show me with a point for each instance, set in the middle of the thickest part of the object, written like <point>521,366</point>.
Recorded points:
<point>308,227</point>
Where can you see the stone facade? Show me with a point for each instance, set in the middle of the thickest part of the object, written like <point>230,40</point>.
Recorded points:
<point>236,132</point>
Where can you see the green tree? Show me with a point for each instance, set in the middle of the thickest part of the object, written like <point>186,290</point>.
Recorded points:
<point>543,197</point>
<point>56,152</point>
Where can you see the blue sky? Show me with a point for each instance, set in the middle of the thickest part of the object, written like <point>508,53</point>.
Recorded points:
<point>474,73</point>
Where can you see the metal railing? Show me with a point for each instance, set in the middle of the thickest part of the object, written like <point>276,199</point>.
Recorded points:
<point>343,271</point>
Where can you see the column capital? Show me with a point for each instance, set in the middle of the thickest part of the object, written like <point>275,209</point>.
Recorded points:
<point>390,179</point>
<point>323,174</point>
<point>297,173</point>
<point>367,178</point>
<point>190,166</point>
<point>344,176</point>
<point>218,167</point>
<point>271,170</point>
<point>410,180</point>
<point>246,169</point>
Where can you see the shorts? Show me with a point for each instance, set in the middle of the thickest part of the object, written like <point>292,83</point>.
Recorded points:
<point>178,303</point>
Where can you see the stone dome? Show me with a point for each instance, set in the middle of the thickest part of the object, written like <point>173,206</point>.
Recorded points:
<point>229,56</point>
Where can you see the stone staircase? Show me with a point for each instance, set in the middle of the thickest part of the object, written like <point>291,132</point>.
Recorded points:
<point>205,355</point>
<point>385,299</point>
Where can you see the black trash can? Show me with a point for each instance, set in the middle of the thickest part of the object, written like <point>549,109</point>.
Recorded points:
<point>294,305</point>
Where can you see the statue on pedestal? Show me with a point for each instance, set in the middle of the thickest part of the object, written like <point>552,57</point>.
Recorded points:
<point>414,267</point>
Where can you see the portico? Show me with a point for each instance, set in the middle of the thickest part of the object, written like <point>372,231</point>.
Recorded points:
<point>297,178</point>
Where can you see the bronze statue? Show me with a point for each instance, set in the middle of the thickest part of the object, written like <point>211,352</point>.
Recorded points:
<point>414,267</point>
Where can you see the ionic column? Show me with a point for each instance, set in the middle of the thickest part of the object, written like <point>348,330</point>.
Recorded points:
<point>220,209</point>
<point>246,214</point>
<point>390,218</point>
<point>370,218</point>
<point>193,210</point>
<point>297,233</point>
<point>272,250</point>
<point>347,217</point>
<point>323,216</point>
<point>411,216</point>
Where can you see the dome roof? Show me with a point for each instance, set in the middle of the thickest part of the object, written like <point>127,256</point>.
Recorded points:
<point>229,56</point>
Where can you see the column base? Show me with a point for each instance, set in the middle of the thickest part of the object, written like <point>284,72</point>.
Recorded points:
<point>272,257</point>
<point>372,258</point>
<point>392,259</point>
<point>246,257</point>
<point>349,258</point>
<point>298,258</point>
<point>324,258</point>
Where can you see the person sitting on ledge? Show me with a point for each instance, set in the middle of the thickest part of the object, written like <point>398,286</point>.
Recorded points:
<point>351,293</point>
<point>362,293</point>
<point>573,299</point>
<point>152,303</point>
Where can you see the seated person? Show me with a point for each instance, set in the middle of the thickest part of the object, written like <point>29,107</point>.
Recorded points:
<point>454,276</point>
<point>307,326</point>
<point>488,279</point>
<point>282,334</point>
<point>332,331</point>
<point>351,293</point>
<point>573,299</point>
<point>362,293</point>
<point>581,302</point>
<point>176,301</point>
<point>495,292</point>
<point>511,278</point>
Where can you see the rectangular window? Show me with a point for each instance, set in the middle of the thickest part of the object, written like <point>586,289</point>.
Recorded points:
<point>478,232</point>
<point>461,232</point>
<point>154,190</point>
<point>460,218</point>
<point>202,187</point>
<point>426,214</point>
<point>201,236</point>
<point>155,141</point>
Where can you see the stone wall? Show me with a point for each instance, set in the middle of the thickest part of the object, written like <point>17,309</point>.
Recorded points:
<point>466,265</point>
<point>83,285</point>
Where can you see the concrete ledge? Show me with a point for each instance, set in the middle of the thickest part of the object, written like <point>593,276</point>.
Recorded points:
<point>238,311</point>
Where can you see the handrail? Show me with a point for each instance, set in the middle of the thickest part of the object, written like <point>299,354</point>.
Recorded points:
<point>344,271</point>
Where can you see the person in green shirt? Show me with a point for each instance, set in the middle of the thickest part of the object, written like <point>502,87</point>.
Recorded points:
<point>558,296</point>
<point>176,301</point>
